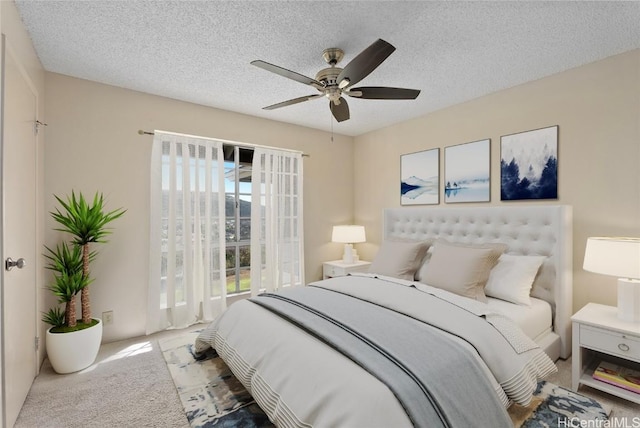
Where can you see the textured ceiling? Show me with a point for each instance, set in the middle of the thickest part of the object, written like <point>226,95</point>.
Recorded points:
<point>199,51</point>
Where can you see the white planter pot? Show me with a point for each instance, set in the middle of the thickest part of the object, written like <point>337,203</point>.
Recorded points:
<point>71,352</point>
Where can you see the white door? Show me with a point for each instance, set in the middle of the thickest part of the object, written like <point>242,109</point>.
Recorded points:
<point>19,327</point>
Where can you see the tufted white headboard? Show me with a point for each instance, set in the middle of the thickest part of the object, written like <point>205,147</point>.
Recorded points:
<point>532,229</point>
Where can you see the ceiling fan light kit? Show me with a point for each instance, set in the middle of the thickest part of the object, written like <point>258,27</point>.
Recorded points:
<point>333,82</point>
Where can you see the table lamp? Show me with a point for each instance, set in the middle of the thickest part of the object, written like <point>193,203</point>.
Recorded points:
<point>348,235</point>
<point>618,256</point>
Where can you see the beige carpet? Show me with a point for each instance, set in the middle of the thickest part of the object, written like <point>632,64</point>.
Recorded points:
<point>128,386</point>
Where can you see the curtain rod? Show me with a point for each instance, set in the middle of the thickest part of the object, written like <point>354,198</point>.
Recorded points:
<point>235,143</point>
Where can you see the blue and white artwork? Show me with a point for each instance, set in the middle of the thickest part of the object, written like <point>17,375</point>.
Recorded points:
<point>529,165</point>
<point>467,172</point>
<point>420,177</point>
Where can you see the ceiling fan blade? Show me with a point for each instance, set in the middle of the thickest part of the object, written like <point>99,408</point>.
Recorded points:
<point>363,64</point>
<point>293,101</point>
<point>340,111</point>
<point>287,73</point>
<point>383,93</point>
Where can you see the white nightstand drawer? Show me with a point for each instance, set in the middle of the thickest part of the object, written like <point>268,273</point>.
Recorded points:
<point>331,271</point>
<point>611,342</point>
<point>338,268</point>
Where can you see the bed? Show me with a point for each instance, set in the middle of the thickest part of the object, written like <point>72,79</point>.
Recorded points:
<point>311,356</point>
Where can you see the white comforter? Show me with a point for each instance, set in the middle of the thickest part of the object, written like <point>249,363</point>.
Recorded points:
<point>299,381</point>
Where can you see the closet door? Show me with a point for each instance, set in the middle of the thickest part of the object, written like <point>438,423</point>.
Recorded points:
<point>18,155</point>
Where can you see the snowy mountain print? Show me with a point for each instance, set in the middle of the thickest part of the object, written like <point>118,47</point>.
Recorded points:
<point>419,177</point>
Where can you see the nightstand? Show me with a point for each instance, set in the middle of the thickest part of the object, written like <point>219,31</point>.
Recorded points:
<point>598,334</point>
<point>339,268</point>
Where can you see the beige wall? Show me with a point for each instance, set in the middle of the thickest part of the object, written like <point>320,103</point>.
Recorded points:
<point>93,144</point>
<point>19,42</point>
<point>597,108</point>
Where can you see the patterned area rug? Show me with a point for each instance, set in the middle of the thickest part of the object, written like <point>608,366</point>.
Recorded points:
<point>554,406</point>
<point>210,393</point>
<point>213,397</point>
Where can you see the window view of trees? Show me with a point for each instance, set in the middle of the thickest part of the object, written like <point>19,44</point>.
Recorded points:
<point>237,228</point>
<point>205,193</point>
<point>238,251</point>
<point>238,220</point>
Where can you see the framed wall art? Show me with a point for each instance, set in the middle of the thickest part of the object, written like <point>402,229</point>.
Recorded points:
<point>420,178</point>
<point>467,172</point>
<point>529,165</point>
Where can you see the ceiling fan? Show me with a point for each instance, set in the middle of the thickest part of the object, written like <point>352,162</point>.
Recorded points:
<point>333,82</point>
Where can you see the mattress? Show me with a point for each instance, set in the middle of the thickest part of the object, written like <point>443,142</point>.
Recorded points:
<point>534,320</point>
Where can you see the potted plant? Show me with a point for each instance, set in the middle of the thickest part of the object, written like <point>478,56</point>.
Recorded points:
<point>73,344</point>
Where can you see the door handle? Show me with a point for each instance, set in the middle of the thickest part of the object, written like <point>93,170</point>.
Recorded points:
<point>10,263</point>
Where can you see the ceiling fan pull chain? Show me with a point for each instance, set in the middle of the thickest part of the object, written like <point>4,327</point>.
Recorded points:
<point>331,120</point>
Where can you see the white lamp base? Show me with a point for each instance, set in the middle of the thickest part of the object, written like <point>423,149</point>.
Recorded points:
<point>629,300</point>
<point>347,257</point>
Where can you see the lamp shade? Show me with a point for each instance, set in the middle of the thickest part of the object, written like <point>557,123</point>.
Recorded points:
<point>617,256</point>
<point>348,234</point>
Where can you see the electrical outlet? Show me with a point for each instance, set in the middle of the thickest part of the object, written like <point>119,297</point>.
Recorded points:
<point>107,317</point>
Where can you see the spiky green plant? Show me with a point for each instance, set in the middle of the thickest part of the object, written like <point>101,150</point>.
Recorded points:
<point>55,317</point>
<point>65,259</point>
<point>66,262</point>
<point>87,224</point>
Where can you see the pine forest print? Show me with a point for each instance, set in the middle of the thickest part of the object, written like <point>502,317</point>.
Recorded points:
<point>529,165</point>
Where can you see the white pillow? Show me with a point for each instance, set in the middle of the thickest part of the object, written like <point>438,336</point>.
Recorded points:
<point>512,278</point>
<point>399,259</point>
<point>461,269</point>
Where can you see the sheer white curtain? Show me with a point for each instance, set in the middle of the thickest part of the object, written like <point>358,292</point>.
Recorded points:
<point>187,238</point>
<point>276,222</point>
